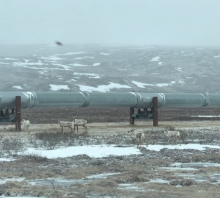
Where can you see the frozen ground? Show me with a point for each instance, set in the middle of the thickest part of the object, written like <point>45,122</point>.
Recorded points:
<point>104,162</point>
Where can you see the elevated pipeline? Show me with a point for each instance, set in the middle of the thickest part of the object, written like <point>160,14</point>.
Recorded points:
<point>109,99</point>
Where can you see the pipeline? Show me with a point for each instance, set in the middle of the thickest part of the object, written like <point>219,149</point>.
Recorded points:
<point>110,99</point>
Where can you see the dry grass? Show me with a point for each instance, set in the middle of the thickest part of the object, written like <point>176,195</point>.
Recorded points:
<point>10,146</point>
<point>206,158</point>
<point>34,158</point>
<point>137,170</point>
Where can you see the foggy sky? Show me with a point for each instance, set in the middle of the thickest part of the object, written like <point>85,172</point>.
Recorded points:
<point>130,22</point>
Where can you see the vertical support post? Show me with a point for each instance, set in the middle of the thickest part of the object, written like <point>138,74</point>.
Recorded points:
<point>155,111</point>
<point>18,113</point>
<point>131,117</point>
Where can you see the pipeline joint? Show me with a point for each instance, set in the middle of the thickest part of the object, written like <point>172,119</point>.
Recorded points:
<point>207,100</point>
<point>31,99</point>
<point>86,97</point>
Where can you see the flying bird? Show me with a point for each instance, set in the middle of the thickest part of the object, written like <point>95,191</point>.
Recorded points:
<point>59,43</point>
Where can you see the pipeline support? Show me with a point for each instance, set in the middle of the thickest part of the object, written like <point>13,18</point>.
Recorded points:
<point>131,115</point>
<point>155,111</point>
<point>18,113</point>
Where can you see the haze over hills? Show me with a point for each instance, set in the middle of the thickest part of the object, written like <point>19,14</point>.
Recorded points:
<point>110,68</point>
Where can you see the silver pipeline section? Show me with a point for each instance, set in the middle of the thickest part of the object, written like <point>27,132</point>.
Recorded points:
<point>110,99</point>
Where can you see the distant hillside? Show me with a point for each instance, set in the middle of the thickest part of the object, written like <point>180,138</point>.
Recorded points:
<point>110,68</point>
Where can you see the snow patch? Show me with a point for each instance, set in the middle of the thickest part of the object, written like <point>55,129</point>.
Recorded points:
<point>85,57</point>
<point>179,69</point>
<point>161,181</point>
<point>70,53</point>
<point>64,66</point>
<point>178,168</point>
<point>205,116</point>
<point>17,87</point>
<point>4,180</point>
<point>105,54</point>
<point>78,65</point>
<point>195,164</point>
<point>95,151</point>
<point>27,63</point>
<point>131,187</point>
<point>102,88</point>
<point>157,58</point>
<point>91,75</point>
<point>58,87</point>
<point>6,159</point>
<point>52,58</point>
<point>10,58</point>
<point>163,84</point>
<point>96,64</point>
<point>101,176</point>
<point>140,84</point>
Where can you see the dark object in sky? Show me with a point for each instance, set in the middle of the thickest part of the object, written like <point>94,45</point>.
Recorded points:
<point>59,43</point>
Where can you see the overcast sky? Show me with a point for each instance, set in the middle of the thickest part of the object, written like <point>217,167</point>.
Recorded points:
<point>131,22</point>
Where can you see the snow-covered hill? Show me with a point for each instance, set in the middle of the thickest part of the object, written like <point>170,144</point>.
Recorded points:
<point>110,68</point>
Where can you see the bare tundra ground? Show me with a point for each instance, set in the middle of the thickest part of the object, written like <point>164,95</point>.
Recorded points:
<point>152,173</point>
